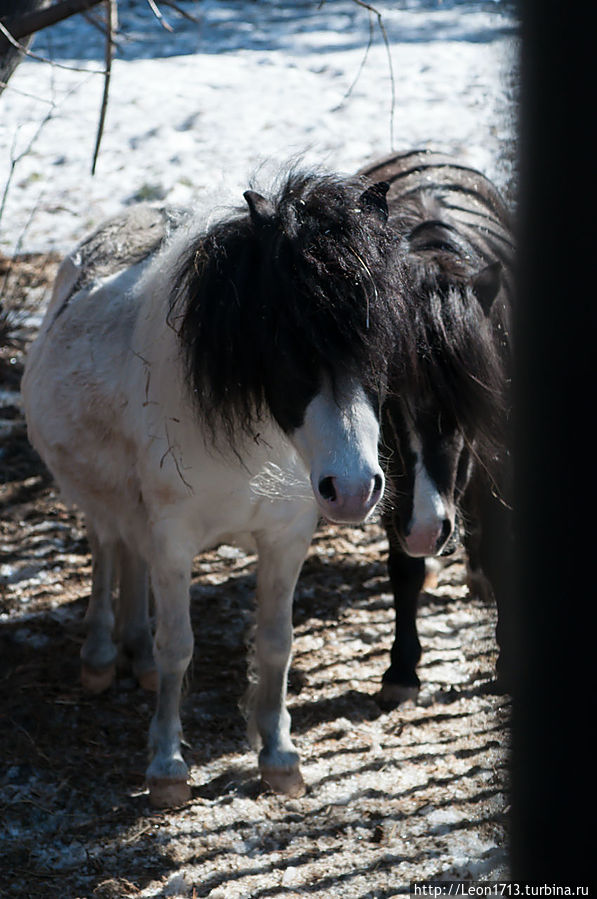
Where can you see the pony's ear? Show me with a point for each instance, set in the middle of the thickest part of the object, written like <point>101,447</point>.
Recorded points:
<point>261,210</point>
<point>486,284</point>
<point>374,200</point>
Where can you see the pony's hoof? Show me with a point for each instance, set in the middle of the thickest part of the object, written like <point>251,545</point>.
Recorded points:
<point>392,695</point>
<point>432,570</point>
<point>168,793</point>
<point>149,680</point>
<point>96,680</point>
<point>284,780</point>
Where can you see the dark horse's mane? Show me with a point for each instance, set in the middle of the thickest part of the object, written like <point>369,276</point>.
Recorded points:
<point>463,348</point>
<point>270,300</point>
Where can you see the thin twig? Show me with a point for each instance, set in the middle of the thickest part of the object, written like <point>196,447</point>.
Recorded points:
<point>373,11</point>
<point>363,61</point>
<point>14,160</point>
<point>136,836</point>
<point>40,875</point>
<point>27,225</point>
<point>111,25</point>
<point>386,41</point>
<point>15,90</point>
<point>181,12</point>
<point>170,452</point>
<point>33,742</point>
<point>155,10</point>
<point>97,23</point>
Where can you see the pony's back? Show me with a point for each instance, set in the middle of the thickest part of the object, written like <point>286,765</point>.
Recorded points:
<point>117,244</point>
<point>430,187</point>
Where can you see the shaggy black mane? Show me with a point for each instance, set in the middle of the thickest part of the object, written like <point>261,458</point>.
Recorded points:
<point>266,305</point>
<point>464,350</point>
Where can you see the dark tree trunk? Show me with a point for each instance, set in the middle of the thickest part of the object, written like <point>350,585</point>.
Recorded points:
<point>554,696</point>
<point>10,57</point>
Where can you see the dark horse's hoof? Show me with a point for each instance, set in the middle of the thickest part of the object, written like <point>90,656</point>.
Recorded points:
<point>499,686</point>
<point>392,695</point>
<point>502,685</point>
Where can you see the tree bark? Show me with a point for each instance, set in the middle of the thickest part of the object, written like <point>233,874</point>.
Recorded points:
<point>22,18</point>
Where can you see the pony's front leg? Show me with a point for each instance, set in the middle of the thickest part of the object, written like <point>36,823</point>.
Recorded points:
<point>173,647</point>
<point>280,561</point>
<point>400,682</point>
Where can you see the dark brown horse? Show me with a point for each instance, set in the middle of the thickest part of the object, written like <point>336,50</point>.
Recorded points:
<point>447,440</point>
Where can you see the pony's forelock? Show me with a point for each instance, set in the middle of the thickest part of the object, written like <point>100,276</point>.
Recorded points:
<point>264,308</point>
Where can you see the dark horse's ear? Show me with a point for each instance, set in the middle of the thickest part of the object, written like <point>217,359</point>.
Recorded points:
<point>374,200</point>
<point>261,210</point>
<point>486,284</point>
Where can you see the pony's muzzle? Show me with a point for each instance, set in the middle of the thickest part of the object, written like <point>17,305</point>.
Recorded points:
<point>345,501</point>
<point>430,539</point>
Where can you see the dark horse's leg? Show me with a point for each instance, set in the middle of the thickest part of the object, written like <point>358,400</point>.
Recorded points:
<point>407,575</point>
<point>489,545</point>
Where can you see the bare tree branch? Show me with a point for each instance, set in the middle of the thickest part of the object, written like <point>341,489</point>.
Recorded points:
<point>111,26</point>
<point>386,41</point>
<point>21,26</point>
<point>363,60</point>
<point>181,12</point>
<point>15,43</point>
<point>375,12</point>
<point>157,13</point>
<point>97,23</point>
<point>21,93</point>
<point>57,65</point>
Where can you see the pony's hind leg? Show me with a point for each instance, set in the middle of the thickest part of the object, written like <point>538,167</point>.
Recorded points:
<point>279,565</point>
<point>133,626</point>
<point>98,653</point>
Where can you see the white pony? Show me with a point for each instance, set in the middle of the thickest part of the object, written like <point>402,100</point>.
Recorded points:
<point>177,380</point>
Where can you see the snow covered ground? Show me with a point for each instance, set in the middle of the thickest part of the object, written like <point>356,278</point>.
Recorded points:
<point>195,114</point>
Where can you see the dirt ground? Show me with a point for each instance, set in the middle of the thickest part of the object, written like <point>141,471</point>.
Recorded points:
<point>393,797</point>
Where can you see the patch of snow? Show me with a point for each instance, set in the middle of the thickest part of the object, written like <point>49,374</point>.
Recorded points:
<point>193,117</point>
